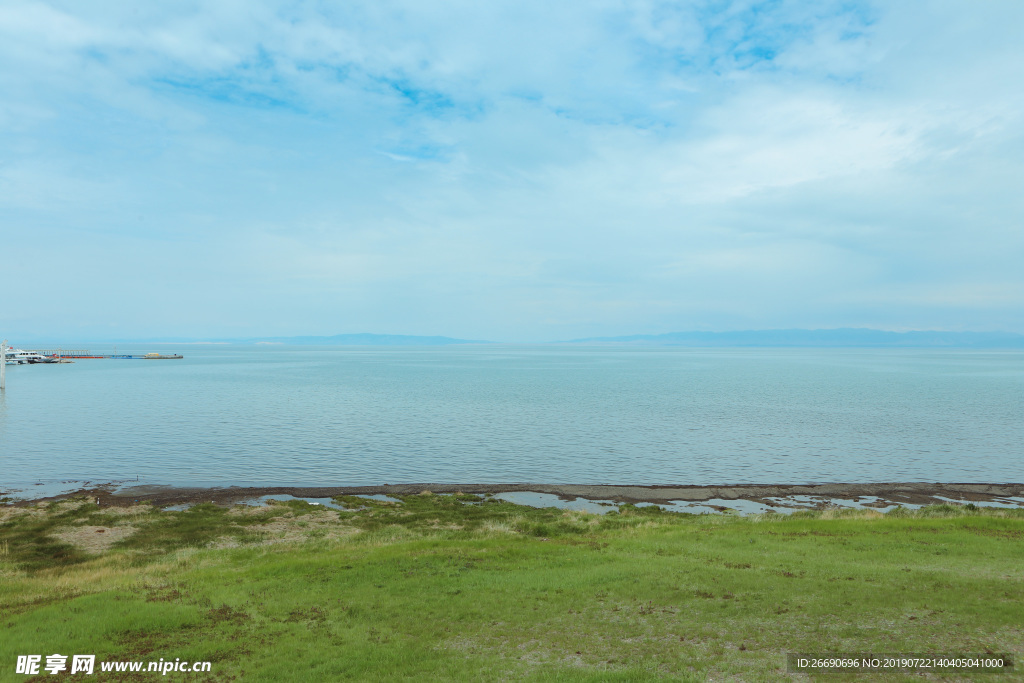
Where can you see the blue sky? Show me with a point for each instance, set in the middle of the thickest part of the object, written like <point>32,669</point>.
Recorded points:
<point>509,170</point>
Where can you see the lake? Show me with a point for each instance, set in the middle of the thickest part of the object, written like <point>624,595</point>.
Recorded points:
<point>301,415</point>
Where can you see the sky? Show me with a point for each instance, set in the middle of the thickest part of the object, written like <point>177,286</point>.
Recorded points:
<point>515,171</point>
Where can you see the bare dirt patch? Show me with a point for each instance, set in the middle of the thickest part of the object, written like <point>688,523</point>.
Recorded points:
<point>93,539</point>
<point>135,511</point>
<point>11,512</point>
<point>293,529</point>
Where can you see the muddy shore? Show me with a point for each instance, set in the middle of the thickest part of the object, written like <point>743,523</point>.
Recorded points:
<point>880,494</point>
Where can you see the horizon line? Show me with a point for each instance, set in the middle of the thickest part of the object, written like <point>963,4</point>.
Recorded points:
<point>773,337</point>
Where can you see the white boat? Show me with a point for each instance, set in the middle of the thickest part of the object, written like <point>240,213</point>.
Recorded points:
<point>21,357</point>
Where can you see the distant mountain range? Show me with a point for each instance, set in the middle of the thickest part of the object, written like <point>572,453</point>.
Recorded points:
<point>844,337</point>
<point>820,338</point>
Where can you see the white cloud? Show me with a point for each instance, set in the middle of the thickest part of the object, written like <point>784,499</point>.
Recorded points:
<point>528,169</point>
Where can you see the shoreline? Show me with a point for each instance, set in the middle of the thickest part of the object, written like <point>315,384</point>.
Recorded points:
<point>885,494</point>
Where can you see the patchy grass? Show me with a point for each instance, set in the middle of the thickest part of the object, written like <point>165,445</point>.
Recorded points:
<point>467,587</point>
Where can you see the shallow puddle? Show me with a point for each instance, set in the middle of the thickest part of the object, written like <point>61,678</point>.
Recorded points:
<point>549,500</point>
<point>787,504</point>
<point>264,500</point>
<point>1008,502</point>
<point>715,505</point>
<point>379,496</point>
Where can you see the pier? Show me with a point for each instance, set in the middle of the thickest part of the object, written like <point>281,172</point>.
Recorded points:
<point>83,353</point>
<point>67,353</point>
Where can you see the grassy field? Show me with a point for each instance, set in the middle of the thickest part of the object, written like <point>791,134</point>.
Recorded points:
<point>467,588</point>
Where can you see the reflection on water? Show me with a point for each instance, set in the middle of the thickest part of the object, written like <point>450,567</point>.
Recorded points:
<point>3,415</point>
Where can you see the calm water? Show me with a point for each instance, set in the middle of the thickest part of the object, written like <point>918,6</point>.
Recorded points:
<point>344,415</point>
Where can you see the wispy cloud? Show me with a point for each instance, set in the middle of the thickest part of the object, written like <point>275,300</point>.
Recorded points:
<point>513,170</point>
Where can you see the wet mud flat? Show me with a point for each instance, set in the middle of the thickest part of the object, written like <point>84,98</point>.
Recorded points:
<point>740,497</point>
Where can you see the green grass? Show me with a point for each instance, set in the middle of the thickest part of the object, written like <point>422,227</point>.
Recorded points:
<point>468,588</point>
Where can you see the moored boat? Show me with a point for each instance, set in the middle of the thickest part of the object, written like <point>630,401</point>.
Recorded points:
<point>21,357</point>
